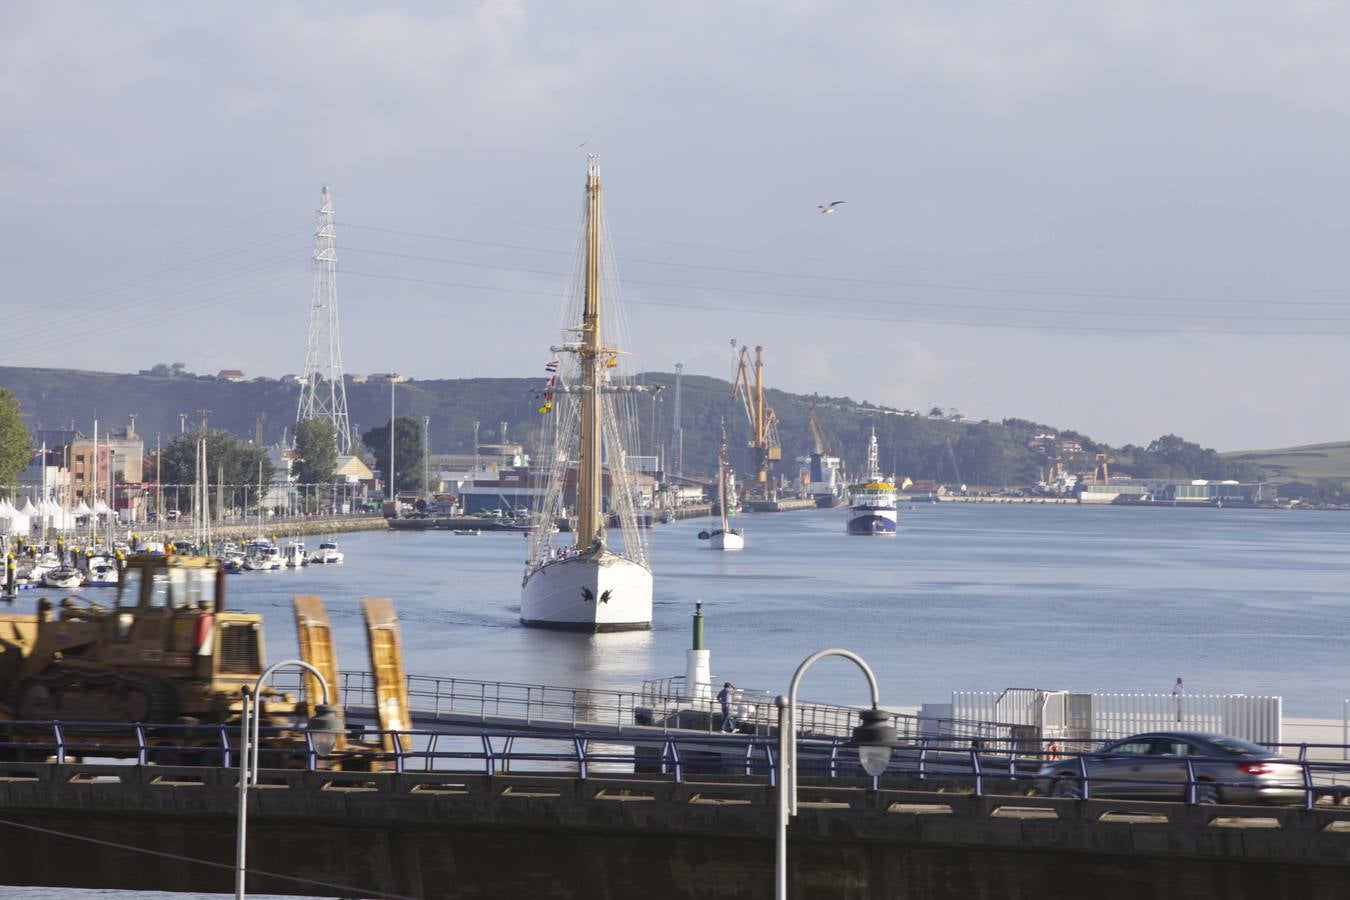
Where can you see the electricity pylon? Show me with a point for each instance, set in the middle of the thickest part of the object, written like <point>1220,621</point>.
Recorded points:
<point>323,392</point>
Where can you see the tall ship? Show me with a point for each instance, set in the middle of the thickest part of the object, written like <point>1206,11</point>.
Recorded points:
<point>602,579</point>
<point>872,502</point>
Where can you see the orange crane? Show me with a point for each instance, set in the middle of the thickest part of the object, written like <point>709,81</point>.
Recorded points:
<point>764,446</point>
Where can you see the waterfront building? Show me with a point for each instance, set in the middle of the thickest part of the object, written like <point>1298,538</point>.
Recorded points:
<point>1179,491</point>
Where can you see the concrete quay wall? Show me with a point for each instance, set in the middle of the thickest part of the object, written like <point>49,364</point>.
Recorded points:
<point>458,835</point>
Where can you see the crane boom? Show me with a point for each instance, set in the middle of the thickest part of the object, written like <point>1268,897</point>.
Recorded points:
<point>764,443</point>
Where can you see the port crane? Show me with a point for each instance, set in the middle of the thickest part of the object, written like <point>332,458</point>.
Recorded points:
<point>818,434</point>
<point>764,446</point>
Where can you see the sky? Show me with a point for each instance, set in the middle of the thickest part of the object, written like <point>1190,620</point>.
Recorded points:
<point>1128,219</point>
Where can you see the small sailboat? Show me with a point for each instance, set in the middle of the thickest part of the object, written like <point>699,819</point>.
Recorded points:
<point>601,580</point>
<point>726,537</point>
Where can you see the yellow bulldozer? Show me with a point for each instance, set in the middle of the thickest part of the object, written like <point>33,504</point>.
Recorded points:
<point>169,652</point>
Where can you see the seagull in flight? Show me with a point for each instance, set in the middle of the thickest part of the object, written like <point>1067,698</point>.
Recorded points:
<point>829,207</point>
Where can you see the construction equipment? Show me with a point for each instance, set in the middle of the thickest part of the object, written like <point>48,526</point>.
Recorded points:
<point>764,446</point>
<point>169,653</point>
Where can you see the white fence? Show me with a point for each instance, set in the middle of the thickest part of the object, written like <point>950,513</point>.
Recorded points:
<point>1060,714</point>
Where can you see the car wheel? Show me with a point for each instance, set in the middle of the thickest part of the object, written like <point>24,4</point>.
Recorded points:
<point>1068,787</point>
<point>1206,794</point>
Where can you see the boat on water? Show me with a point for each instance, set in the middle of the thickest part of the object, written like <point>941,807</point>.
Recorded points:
<point>328,554</point>
<point>726,537</point>
<point>871,508</point>
<point>263,556</point>
<point>602,580</point>
<point>63,576</point>
<point>295,555</point>
<point>102,571</point>
<point>473,531</point>
<point>32,572</point>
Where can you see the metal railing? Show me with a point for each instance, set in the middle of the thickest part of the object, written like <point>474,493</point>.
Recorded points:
<point>754,710</point>
<point>975,768</point>
<point>1117,714</point>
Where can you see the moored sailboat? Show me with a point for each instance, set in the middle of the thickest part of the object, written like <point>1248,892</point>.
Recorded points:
<point>597,583</point>
<point>726,537</point>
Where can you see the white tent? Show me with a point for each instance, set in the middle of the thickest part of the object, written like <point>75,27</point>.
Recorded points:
<point>101,508</point>
<point>27,508</point>
<point>55,516</point>
<point>81,509</point>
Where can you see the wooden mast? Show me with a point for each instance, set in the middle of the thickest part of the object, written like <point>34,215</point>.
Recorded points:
<point>722,477</point>
<point>590,524</point>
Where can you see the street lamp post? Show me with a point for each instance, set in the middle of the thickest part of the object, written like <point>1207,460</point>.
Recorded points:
<point>875,740</point>
<point>323,729</point>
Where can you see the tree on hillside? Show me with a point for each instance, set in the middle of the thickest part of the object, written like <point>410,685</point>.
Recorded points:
<point>227,457</point>
<point>316,445</point>
<point>1173,457</point>
<point>16,448</point>
<point>408,452</point>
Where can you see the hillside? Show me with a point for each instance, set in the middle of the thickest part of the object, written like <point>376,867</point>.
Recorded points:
<point>1306,464</point>
<point>919,447</point>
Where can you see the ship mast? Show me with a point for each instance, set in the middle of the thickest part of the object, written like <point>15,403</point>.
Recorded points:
<point>590,526</point>
<point>722,478</point>
<point>873,464</point>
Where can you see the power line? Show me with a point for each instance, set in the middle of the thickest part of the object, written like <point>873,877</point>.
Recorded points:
<point>891,301</point>
<point>347,889</point>
<point>945,286</point>
<point>174,269</point>
<point>818,316</point>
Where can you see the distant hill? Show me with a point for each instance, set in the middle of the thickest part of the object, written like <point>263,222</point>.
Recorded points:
<point>1304,464</point>
<point>911,445</point>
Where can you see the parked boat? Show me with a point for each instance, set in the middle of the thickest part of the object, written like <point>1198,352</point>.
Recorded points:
<point>263,556</point>
<point>872,503</point>
<point>726,537</point>
<point>295,554</point>
<point>102,571</point>
<point>328,554</point>
<point>64,576</point>
<point>473,531</point>
<point>595,583</point>
<point>35,569</point>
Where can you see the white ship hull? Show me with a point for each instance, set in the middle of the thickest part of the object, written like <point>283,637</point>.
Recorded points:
<point>726,540</point>
<point>596,591</point>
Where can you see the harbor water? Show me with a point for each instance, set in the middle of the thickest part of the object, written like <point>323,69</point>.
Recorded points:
<point>966,596</point>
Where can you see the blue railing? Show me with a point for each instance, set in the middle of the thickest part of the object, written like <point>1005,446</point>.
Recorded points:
<point>978,769</point>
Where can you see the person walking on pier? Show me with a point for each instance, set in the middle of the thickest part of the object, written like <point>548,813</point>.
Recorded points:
<point>725,696</point>
<point>1178,696</point>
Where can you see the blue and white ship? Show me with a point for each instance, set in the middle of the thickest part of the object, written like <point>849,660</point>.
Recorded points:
<point>872,502</point>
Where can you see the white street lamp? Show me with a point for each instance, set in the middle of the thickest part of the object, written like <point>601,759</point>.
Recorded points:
<point>875,740</point>
<point>323,729</point>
